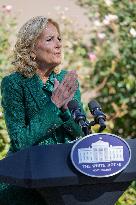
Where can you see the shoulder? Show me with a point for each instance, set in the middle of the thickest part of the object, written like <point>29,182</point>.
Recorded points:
<point>14,77</point>
<point>12,81</point>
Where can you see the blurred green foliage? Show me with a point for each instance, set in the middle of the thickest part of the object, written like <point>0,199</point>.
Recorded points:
<point>113,69</point>
<point>113,42</point>
<point>7,25</point>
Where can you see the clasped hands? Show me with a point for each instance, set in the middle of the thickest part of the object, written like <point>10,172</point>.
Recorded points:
<point>64,92</point>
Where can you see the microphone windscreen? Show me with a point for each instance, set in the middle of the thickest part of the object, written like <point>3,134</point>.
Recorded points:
<point>73,105</point>
<point>93,104</point>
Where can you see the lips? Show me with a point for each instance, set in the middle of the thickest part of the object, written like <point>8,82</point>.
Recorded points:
<point>57,53</point>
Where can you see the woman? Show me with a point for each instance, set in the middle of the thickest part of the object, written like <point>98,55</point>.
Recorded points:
<point>35,98</point>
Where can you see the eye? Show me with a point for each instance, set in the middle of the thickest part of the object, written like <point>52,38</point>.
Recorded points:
<point>49,39</point>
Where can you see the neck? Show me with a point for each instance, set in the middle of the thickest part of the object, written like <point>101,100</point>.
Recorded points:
<point>44,71</point>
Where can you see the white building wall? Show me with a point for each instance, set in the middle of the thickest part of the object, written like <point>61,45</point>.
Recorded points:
<point>100,152</point>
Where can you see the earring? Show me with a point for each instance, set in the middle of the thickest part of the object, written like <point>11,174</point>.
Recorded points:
<point>33,57</point>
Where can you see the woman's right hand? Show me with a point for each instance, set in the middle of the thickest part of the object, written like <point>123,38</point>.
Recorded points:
<point>64,91</point>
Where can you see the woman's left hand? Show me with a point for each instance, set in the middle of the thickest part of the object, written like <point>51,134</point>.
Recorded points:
<point>65,106</point>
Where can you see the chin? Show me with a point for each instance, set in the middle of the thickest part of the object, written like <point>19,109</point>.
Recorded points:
<point>57,62</point>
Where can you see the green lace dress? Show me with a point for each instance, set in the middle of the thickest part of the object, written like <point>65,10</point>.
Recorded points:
<point>32,119</point>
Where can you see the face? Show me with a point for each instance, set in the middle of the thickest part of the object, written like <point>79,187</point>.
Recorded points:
<point>48,47</point>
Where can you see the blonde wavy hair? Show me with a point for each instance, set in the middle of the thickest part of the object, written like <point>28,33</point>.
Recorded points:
<point>22,57</point>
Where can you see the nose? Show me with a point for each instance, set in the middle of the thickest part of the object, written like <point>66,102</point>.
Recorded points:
<point>58,43</point>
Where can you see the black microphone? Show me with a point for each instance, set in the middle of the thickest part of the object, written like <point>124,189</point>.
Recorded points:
<point>78,116</point>
<point>99,116</point>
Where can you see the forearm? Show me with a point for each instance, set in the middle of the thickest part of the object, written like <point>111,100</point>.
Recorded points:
<point>39,128</point>
<point>70,126</point>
